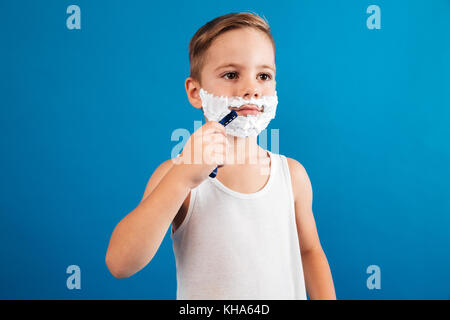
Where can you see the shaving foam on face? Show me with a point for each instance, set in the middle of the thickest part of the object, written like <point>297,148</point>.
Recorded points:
<point>215,108</point>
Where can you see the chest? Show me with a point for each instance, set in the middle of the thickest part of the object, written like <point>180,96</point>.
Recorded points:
<point>244,178</point>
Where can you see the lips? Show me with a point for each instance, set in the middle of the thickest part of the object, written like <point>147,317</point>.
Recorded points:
<point>248,109</point>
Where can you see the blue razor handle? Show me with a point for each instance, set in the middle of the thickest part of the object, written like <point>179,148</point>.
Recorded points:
<point>225,121</point>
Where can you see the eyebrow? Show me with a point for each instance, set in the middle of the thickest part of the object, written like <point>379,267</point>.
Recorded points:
<point>235,65</point>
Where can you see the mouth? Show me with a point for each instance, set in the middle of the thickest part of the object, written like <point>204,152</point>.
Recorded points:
<point>248,109</point>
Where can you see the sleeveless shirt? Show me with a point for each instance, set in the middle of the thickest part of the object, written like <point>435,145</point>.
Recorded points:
<point>234,245</point>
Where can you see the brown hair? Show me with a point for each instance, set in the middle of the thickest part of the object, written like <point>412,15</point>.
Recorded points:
<point>204,36</point>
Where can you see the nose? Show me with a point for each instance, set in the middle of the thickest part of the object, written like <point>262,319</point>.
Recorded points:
<point>251,93</point>
<point>250,90</point>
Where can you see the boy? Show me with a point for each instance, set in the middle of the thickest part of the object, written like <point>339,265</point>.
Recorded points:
<point>242,234</point>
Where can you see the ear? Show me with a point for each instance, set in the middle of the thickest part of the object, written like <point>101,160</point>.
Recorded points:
<point>193,92</point>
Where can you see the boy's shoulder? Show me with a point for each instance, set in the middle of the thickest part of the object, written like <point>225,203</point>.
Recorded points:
<point>299,176</point>
<point>295,167</point>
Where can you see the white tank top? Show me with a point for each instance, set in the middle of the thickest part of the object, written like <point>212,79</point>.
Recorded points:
<point>234,245</point>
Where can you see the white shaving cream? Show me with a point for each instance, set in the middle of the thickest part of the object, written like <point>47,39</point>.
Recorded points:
<point>215,108</point>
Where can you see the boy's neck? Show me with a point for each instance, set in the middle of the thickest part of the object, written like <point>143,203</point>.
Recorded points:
<point>245,150</point>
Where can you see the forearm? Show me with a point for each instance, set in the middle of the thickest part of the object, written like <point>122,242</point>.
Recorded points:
<point>137,237</point>
<point>318,279</point>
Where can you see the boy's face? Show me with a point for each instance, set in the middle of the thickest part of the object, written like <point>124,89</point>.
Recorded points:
<point>239,62</point>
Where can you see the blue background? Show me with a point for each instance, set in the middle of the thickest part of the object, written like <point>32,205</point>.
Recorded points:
<point>87,116</point>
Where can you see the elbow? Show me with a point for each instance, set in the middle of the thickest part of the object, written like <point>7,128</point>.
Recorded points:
<point>118,274</point>
<point>115,269</point>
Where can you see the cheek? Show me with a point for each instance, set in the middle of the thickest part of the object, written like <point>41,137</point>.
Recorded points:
<point>269,91</point>
<point>270,86</point>
<point>219,89</point>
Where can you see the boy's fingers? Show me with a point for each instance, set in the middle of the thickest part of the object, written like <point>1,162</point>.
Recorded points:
<point>214,126</point>
<point>215,138</point>
<point>219,157</point>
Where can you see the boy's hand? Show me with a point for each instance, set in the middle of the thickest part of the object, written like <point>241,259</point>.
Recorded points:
<point>203,152</point>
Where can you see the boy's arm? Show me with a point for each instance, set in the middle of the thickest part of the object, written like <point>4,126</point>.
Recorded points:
<point>318,279</point>
<point>137,237</point>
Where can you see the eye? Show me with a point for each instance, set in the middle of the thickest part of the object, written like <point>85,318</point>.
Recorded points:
<point>266,76</point>
<point>233,75</point>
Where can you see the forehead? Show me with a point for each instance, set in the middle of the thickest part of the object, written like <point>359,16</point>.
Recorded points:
<point>244,46</point>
